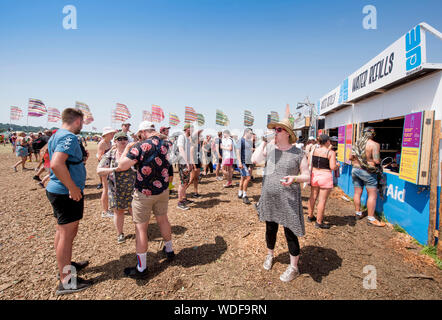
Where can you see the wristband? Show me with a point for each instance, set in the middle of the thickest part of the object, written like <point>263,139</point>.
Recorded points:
<point>296,179</point>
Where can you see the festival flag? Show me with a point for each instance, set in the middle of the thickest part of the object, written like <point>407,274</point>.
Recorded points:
<point>54,115</point>
<point>157,113</point>
<point>292,119</point>
<point>147,116</point>
<point>88,118</point>
<point>221,118</point>
<point>287,111</point>
<point>274,116</point>
<point>173,119</point>
<point>122,112</point>
<point>94,129</point>
<point>190,115</point>
<point>269,118</point>
<point>200,119</point>
<point>36,108</point>
<point>16,113</point>
<point>248,118</point>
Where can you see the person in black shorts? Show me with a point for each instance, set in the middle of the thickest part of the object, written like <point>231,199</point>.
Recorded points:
<point>218,156</point>
<point>65,193</point>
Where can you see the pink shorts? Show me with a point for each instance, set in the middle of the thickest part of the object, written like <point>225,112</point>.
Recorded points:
<point>227,162</point>
<point>322,179</point>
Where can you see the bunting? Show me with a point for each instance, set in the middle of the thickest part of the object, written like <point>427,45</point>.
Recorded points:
<point>16,113</point>
<point>221,118</point>
<point>190,115</point>
<point>54,115</point>
<point>157,113</point>
<point>274,116</point>
<point>269,118</point>
<point>173,119</point>
<point>36,108</point>
<point>88,118</point>
<point>200,118</point>
<point>248,118</point>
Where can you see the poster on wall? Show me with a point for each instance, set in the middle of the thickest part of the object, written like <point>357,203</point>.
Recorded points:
<point>348,142</point>
<point>411,144</point>
<point>341,144</point>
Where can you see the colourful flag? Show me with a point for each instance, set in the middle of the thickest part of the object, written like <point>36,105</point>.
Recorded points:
<point>269,118</point>
<point>173,119</point>
<point>122,112</point>
<point>54,115</point>
<point>157,113</point>
<point>36,108</point>
<point>16,113</point>
<point>190,115</point>
<point>221,118</point>
<point>274,116</point>
<point>287,111</point>
<point>88,118</point>
<point>147,116</point>
<point>248,118</point>
<point>200,119</point>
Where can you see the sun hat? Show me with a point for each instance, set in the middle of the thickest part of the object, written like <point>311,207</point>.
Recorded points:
<point>107,130</point>
<point>187,126</point>
<point>164,128</point>
<point>311,138</point>
<point>145,125</point>
<point>334,138</point>
<point>120,134</point>
<point>287,125</point>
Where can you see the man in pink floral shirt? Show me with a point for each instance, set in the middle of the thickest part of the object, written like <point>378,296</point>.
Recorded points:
<point>150,158</point>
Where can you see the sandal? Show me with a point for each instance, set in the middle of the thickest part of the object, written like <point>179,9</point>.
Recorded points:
<point>311,219</point>
<point>376,223</point>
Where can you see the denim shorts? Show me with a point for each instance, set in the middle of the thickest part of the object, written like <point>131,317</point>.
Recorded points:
<point>244,171</point>
<point>361,177</point>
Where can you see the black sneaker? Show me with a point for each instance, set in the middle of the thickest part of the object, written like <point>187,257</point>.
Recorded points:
<point>182,206</point>
<point>36,178</point>
<point>132,272</point>
<point>100,186</point>
<point>311,219</point>
<point>196,195</point>
<point>322,226</point>
<point>246,200</point>
<point>186,202</point>
<point>170,255</point>
<point>80,286</point>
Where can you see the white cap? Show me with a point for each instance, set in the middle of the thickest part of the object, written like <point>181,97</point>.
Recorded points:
<point>311,138</point>
<point>145,125</point>
<point>107,130</point>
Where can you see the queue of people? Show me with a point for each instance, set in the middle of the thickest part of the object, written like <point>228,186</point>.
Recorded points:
<point>137,175</point>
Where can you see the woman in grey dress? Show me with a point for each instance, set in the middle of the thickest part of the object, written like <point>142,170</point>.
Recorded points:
<point>280,202</point>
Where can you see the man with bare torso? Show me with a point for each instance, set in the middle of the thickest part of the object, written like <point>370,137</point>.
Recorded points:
<point>365,157</point>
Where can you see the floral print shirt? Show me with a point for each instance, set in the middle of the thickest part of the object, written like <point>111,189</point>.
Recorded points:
<point>152,165</point>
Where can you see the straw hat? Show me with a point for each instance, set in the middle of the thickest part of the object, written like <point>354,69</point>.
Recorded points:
<point>287,125</point>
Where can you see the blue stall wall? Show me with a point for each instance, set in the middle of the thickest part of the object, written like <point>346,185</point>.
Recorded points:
<point>404,203</point>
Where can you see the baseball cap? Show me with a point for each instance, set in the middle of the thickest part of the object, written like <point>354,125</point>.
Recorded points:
<point>187,126</point>
<point>311,138</point>
<point>120,134</point>
<point>146,125</point>
<point>163,128</point>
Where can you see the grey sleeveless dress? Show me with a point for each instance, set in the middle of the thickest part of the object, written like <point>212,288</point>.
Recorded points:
<point>278,203</point>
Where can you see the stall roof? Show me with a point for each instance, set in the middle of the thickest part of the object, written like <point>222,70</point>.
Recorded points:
<point>401,62</point>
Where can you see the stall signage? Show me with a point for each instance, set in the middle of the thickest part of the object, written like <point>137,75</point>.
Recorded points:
<point>411,143</point>
<point>348,142</point>
<point>341,143</point>
<point>401,59</point>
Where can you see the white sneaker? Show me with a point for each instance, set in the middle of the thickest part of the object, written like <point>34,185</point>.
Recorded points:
<point>108,214</point>
<point>121,238</point>
<point>268,263</point>
<point>289,274</point>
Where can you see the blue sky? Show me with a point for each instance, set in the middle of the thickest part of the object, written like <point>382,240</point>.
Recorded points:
<point>231,55</point>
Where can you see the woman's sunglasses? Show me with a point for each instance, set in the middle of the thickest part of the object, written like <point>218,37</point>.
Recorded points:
<point>122,139</point>
<point>279,130</point>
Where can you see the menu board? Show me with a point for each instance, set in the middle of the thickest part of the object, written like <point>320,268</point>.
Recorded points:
<point>411,144</point>
<point>341,144</point>
<point>348,142</point>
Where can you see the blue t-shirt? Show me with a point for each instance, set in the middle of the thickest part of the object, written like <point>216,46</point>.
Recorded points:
<point>66,142</point>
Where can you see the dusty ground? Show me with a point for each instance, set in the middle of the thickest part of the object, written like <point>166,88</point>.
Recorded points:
<point>220,248</point>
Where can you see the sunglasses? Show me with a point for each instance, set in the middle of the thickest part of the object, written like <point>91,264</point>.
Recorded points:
<point>279,130</point>
<point>122,139</point>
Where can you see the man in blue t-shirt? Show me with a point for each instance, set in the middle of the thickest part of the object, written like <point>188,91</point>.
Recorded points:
<point>244,156</point>
<point>65,193</point>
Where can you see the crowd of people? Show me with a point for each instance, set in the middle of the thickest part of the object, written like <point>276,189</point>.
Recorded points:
<point>136,173</point>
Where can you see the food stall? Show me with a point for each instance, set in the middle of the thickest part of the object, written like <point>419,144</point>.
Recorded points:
<point>398,93</point>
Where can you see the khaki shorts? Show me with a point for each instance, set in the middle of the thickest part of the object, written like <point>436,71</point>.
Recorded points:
<point>142,205</point>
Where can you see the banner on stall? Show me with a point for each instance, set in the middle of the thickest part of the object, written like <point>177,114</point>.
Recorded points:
<point>348,142</point>
<point>341,144</point>
<point>411,145</point>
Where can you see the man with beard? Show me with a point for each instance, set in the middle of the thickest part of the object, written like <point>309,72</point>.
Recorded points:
<point>65,193</point>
